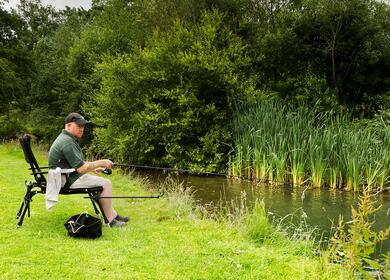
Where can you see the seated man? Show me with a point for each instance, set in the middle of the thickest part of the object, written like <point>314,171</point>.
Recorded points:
<point>66,153</point>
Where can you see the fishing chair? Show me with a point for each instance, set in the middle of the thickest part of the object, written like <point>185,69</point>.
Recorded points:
<point>39,185</point>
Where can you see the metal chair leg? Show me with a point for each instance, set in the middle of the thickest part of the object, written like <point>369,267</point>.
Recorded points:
<point>101,210</point>
<point>95,200</point>
<point>24,199</point>
<point>25,207</point>
<point>20,210</point>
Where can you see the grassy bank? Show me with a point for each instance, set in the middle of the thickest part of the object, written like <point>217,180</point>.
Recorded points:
<point>282,144</point>
<point>165,239</point>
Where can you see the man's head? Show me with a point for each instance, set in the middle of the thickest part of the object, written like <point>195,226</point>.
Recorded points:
<point>74,124</point>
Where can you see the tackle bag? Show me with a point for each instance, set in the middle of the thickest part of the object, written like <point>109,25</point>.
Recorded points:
<point>84,226</point>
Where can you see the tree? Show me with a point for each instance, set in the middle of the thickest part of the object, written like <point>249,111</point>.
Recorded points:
<point>346,42</point>
<point>14,61</point>
<point>39,19</point>
<point>15,71</point>
<point>170,103</point>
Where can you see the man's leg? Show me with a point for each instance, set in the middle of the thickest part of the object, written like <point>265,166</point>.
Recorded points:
<point>88,180</point>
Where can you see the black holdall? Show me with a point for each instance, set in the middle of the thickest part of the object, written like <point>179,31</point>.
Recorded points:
<point>84,226</point>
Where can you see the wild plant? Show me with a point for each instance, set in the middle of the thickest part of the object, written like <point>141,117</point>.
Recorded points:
<point>335,177</point>
<point>354,242</point>
<point>260,165</point>
<point>256,223</point>
<point>297,167</point>
<point>235,163</point>
<point>231,213</point>
<point>317,164</point>
<point>181,199</point>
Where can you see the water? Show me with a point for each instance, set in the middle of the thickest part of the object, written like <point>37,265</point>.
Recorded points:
<point>318,208</point>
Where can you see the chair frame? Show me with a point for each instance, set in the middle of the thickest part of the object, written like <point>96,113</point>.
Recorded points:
<point>39,185</point>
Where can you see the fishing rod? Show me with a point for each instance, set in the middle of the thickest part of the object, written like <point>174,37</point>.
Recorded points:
<point>168,169</point>
<point>99,197</point>
<point>108,171</point>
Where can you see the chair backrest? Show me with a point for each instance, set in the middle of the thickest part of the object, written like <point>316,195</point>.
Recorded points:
<point>25,142</point>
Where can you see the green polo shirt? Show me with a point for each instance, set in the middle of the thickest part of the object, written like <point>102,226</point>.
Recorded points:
<point>65,153</point>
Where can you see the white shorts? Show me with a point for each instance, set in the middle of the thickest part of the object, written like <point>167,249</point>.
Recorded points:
<point>89,181</point>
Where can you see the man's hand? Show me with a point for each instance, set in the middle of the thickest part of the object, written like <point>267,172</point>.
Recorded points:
<point>106,163</point>
<point>98,170</point>
<point>95,165</point>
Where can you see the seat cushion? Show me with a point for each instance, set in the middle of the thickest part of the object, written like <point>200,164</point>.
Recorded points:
<point>81,190</point>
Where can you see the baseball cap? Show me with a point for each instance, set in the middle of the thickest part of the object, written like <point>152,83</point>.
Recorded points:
<point>77,118</point>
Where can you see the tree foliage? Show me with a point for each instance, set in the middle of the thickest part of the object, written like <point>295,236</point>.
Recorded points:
<point>162,77</point>
<point>348,43</point>
<point>170,103</point>
<point>15,70</point>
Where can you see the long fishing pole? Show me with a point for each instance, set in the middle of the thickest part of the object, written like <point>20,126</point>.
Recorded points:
<point>168,169</point>
<point>108,171</point>
<point>99,197</point>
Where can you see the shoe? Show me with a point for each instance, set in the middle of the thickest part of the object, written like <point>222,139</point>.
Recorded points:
<point>116,223</point>
<point>122,218</point>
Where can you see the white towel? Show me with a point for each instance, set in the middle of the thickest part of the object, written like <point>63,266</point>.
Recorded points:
<point>54,185</point>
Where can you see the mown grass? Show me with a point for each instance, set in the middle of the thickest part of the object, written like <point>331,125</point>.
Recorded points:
<point>165,239</point>
<point>282,144</point>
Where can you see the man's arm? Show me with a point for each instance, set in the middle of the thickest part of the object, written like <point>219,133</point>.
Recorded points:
<point>92,166</point>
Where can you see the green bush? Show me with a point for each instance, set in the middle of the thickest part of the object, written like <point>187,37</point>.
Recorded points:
<point>9,129</point>
<point>171,103</point>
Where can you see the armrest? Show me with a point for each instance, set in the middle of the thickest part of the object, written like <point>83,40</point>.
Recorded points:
<point>66,171</point>
<point>62,171</point>
<point>40,167</point>
<point>39,172</point>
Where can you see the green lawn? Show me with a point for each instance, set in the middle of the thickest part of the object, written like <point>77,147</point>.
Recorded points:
<point>154,245</point>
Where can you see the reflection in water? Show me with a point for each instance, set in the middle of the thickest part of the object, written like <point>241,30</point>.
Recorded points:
<point>321,207</point>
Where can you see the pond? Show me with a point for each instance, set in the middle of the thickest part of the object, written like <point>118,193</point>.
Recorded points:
<point>318,208</point>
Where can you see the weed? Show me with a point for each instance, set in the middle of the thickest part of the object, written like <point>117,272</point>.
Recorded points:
<point>354,242</point>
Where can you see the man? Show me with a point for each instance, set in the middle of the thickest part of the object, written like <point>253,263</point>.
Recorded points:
<point>66,153</point>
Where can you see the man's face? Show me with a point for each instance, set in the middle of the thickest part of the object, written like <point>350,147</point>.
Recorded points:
<point>75,129</point>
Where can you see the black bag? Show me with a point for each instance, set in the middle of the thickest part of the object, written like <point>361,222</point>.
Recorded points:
<point>84,226</point>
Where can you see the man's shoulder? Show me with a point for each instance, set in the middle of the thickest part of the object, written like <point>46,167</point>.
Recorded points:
<point>64,137</point>
<point>63,140</point>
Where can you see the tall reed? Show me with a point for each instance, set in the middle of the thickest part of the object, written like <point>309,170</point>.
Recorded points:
<point>286,144</point>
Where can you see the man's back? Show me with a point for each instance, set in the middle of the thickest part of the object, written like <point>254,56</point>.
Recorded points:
<point>66,153</point>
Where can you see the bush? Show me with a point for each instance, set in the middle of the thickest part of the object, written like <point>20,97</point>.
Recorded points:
<point>170,104</point>
<point>9,129</point>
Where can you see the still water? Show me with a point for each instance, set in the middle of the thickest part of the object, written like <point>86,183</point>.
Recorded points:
<point>318,208</point>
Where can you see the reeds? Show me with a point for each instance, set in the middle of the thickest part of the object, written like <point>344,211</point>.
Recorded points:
<point>283,144</point>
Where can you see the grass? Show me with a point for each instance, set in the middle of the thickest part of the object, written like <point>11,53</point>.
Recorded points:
<point>165,238</point>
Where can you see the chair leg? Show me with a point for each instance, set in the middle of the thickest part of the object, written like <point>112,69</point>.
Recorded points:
<point>101,210</point>
<point>96,201</point>
<point>20,210</point>
<point>25,206</point>
<point>24,199</point>
<point>20,222</point>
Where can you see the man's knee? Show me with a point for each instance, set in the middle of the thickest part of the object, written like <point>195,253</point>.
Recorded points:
<point>107,185</point>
